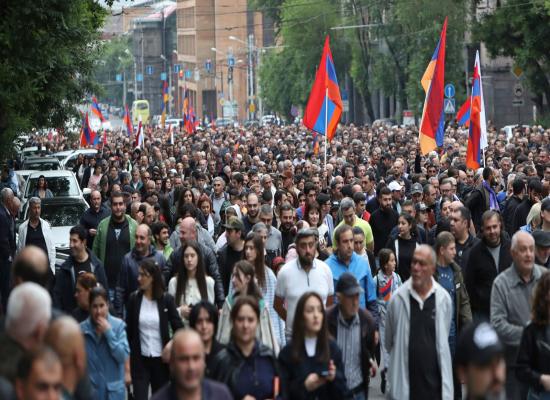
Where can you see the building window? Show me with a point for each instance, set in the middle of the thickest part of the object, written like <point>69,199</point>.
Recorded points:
<point>186,45</point>
<point>186,18</point>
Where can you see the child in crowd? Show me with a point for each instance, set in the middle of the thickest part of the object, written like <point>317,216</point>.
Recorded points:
<point>387,282</point>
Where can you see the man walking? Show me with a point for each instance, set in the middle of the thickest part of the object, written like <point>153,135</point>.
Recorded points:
<point>91,218</point>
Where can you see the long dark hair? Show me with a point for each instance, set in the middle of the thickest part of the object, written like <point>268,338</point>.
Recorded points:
<point>259,262</point>
<point>210,309</point>
<point>539,310</point>
<point>299,331</point>
<point>312,206</point>
<point>247,269</point>
<point>411,221</point>
<point>200,275</point>
<point>150,266</point>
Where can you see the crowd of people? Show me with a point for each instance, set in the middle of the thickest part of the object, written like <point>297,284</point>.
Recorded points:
<point>239,264</point>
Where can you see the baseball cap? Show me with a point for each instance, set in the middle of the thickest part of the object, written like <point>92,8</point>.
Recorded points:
<point>416,188</point>
<point>234,223</point>
<point>348,285</point>
<point>421,207</point>
<point>478,344</point>
<point>545,205</point>
<point>542,238</point>
<point>394,186</point>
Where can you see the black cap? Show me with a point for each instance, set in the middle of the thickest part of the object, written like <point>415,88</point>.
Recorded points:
<point>542,238</point>
<point>478,344</point>
<point>545,205</point>
<point>348,285</point>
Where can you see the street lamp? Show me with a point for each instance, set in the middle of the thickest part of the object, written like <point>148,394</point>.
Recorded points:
<point>250,73</point>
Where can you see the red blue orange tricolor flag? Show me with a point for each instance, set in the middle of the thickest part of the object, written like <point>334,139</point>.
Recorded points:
<point>164,104</point>
<point>96,110</point>
<point>324,106</point>
<point>433,114</point>
<point>128,121</point>
<point>87,135</point>
<point>477,136</point>
<point>463,115</point>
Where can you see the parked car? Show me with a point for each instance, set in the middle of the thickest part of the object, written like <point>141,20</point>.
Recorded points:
<point>62,183</point>
<point>70,159</point>
<point>41,163</point>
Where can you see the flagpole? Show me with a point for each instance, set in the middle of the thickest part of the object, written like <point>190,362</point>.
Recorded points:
<point>326,124</point>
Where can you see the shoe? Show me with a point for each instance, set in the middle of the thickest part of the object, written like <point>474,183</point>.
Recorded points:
<point>383,382</point>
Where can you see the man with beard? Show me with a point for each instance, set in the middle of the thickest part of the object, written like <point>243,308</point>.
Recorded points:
<point>253,215</point>
<point>460,228</point>
<point>301,275</point>
<point>487,259</point>
<point>115,237</point>
<point>288,234</point>
<point>161,235</point>
<point>383,220</point>
<point>534,194</point>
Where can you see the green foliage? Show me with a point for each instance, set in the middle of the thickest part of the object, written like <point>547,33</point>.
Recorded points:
<point>47,53</point>
<point>116,57</point>
<point>522,31</point>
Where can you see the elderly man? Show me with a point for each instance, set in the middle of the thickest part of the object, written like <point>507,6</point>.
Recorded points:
<point>417,330</point>
<point>187,365</point>
<point>510,304</point>
<point>187,230</point>
<point>542,248</point>
<point>37,232</point>
<point>347,209</point>
<point>91,218</point>
<point>128,277</point>
<point>66,339</point>
<point>27,318</point>
<point>7,243</point>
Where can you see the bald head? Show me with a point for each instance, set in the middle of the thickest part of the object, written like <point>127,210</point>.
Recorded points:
<point>65,337</point>
<point>31,265</point>
<point>188,229</point>
<point>14,207</point>
<point>187,360</point>
<point>184,339</point>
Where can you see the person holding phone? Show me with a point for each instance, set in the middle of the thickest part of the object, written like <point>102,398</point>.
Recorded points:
<point>311,363</point>
<point>106,348</point>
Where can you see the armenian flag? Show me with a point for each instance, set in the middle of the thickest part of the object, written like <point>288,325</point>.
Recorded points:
<point>96,110</point>
<point>324,106</point>
<point>463,115</point>
<point>433,114</point>
<point>477,137</point>
<point>164,104</point>
<point>87,135</point>
<point>128,121</point>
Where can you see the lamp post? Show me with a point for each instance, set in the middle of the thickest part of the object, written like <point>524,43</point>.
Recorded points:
<point>250,72</point>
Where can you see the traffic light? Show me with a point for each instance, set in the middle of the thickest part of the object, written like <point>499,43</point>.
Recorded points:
<point>181,74</point>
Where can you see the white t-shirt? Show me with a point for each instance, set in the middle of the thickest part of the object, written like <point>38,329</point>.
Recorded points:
<point>293,281</point>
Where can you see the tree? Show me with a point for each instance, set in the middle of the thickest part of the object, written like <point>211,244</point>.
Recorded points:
<point>47,51</point>
<point>522,31</point>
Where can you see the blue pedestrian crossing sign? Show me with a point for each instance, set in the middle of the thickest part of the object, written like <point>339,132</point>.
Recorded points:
<point>139,77</point>
<point>177,68</point>
<point>449,106</point>
<point>149,70</point>
<point>449,90</point>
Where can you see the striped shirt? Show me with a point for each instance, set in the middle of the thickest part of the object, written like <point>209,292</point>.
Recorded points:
<point>349,341</point>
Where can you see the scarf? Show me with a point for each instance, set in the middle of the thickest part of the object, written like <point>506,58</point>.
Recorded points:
<point>493,202</point>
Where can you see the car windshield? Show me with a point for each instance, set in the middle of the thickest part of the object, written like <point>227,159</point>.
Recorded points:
<point>41,165</point>
<point>62,214</point>
<point>60,186</point>
<point>142,106</point>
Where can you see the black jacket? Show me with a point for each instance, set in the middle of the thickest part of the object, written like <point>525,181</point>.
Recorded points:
<point>65,282</point>
<point>520,215</point>
<point>7,236</point>
<point>481,271</point>
<point>294,374</point>
<point>168,318</point>
<point>210,263</point>
<point>90,219</point>
<point>227,364</point>
<point>478,202</point>
<point>368,327</point>
<point>209,390</point>
<point>508,213</point>
<point>534,355</point>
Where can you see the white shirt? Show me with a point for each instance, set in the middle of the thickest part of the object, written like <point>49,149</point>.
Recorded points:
<point>192,292</point>
<point>149,329</point>
<point>293,281</point>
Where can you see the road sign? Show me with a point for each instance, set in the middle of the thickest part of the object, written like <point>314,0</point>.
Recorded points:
<point>149,70</point>
<point>517,71</point>
<point>208,65</point>
<point>119,77</point>
<point>449,90</point>
<point>449,106</point>
<point>517,103</point>
<point>197,75</point>
<point>163,76</point>
<point>139,77</point>
<point>408,117</point>
<point>222,101</point>
<point>252,107</point>
<point>188,74</point>
<point>177,68</point>
<point>518,90</point>
<point>231,61</point>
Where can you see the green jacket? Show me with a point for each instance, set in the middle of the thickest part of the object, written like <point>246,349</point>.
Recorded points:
<point>463,311</point>
<point>100,241</point>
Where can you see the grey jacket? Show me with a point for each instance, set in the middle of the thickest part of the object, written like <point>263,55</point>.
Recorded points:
<point>202,237</point>
<point>397,340</point>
